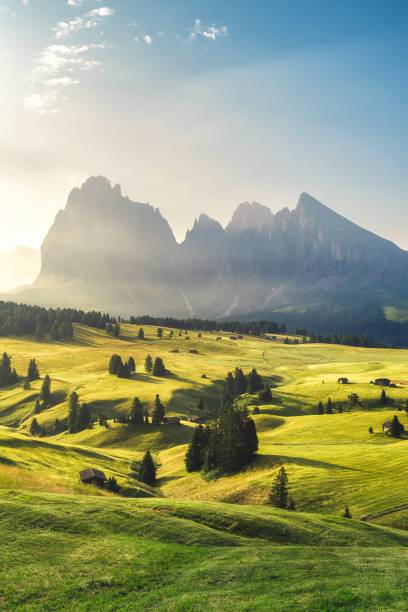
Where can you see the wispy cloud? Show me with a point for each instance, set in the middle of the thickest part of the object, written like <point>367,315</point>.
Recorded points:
<point>61,66</point>
<point>211,32</point>
<point>148,39</point>
<point>5,10</point>
<point>64,29</point>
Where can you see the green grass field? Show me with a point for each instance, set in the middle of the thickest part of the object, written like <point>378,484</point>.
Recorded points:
<point>179,545</point>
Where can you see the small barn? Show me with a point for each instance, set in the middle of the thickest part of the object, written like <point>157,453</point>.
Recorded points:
<point>343,381</point>
<point>172,420</point>
<point>92,476</point>
<point>195,419</point>
<point>386,426</point>
<point>382,382</point>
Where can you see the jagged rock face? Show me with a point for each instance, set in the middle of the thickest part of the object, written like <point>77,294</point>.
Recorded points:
<point>107,252</point>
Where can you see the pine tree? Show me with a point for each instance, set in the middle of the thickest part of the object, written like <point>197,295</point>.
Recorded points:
<point>147,472</point>
<point>158,368</point>
<point>370,430</point>
<point>136,413</point>
<point>124,371</point>
<point>320,408</point>
<point>112,484</point>
<point>255,382</point>
<point>45,394</point>
<point>229,389</point>
<point>396,427</point>
<point>194,458</point>
<point>148,364</point>
<point>278,496</point>
<point>6,374</point>
<point>159,332</point>
<point>329,407</point>
<point>116,330</point>
<point>33,373</point>
<point>115,364</point>
<point>54,331</point>
<point>37,407</point>
<point>140,334</point>
<point>35,429</point>
<point>131,364</point>
<point>384,398</point>
<point>241,383</point>
<point>347,513</point>
<point>158,411</point>
<point>84,417</point>
<point>265,395</point>
<point>40,331</point>
<point>73,412</point>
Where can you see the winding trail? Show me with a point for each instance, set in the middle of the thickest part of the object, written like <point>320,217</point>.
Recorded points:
<point>384,512</point>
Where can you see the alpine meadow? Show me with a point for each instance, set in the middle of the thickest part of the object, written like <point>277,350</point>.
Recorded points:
<point>203,407</point>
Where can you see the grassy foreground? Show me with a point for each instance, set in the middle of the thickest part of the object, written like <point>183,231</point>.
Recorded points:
<point>179,546</point>
<point>77,553</point>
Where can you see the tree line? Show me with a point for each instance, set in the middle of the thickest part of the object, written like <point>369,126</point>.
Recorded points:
<point>253,328</point>
<point>124,369</point>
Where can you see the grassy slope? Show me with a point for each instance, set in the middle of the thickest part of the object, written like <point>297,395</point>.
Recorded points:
<point>73,553</point>
<point>331,459</point>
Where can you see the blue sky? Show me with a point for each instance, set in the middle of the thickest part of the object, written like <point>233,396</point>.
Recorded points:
<point>195,106</point>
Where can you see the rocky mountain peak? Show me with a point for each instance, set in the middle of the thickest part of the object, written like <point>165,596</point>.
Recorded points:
<point>250,215</point>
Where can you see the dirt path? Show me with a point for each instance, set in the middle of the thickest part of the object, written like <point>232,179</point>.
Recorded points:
<point>384,512</point>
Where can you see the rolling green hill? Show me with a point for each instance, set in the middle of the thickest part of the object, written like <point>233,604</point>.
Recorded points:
<point>179,545</point>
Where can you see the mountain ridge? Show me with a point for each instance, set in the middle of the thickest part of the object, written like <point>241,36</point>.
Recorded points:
<point>104,251</point>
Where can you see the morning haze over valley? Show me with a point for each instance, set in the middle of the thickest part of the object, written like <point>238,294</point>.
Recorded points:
<point>203,305</point>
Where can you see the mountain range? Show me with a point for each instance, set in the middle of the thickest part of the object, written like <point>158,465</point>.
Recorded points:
<point>309,267</point>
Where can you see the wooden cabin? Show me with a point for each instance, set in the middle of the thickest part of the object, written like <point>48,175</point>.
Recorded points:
<point>195,419</point>
<point>382,382</point>
<point>92,476</point>
<point>343,381</point>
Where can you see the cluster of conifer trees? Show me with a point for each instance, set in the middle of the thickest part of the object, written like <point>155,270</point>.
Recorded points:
<point>113,329</point>
<point>237,383</point>
<point>138,414</point>
<point>157,368</point>
<point>8,376</point>
<point>120,369</point>
<point>346,339</point>
<point>253,328</point>
<point>226,444</point>
<point>79,416</point>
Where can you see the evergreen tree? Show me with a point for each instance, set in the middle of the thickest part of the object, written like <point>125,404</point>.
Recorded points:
<point>148,364</point>
<point>396,427</point>
<point>136,413</point>
<point>347,513</point>
<point>37,407</point>
<point>147,472</point>
<point>320,408</point>
<point>45,394</point>
<point>329,407</point>
<point>194,458</point>
<point>26,385</point>
<point>35,429</point>
<point>241,383</point>
<point>131,364</point>
<point>33,373</point>
<point>112,484</point>
<point>116,330</point>
<point>7,375</point>
<point>115,364</point>
<point>292,504</point>
<point>265,395</point>
<point>140,334</point>
<point>84,417</point>
<point>158,411</point>
<point>255,382</point>
<point>73,412</point>
<point>159,332</point>
<point>158,368</point>
<point>384,398</point>
<point>54,331</point>
<point>40,331</point>
<point>278,496</point>
<point>200,405</point>
<point>229,389</point>
<point>124,371</point>
<point>370,430</point>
